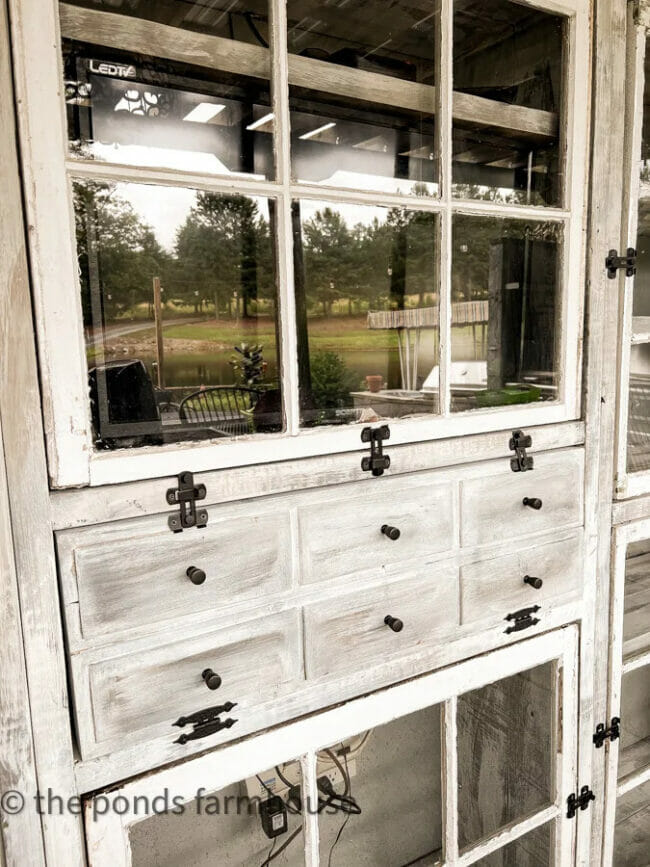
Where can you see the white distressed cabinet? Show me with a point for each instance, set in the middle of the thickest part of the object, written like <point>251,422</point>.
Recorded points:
<point>319,431</point>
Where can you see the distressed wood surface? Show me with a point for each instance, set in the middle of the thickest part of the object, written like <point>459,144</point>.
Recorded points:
<point>134,499</point>
<point>351,633</point>
<point>138,691</point>
<point>134,573</point>
<point>33,570</point>
<point>497,586</point>
<point>492,506</point>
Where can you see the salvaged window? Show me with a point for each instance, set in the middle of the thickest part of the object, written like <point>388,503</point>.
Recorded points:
<point>321,214</point>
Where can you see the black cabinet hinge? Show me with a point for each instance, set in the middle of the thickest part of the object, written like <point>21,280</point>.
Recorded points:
<point>522,619</point>
<point>519,442</point>
<point>378,461</point>
<point>615,263</point>
<point>611,733</point>
<point>185,496</point>
<point>205,722</point>
<point>579,802</point>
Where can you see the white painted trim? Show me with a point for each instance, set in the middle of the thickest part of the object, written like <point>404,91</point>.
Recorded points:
<point>632,781</point>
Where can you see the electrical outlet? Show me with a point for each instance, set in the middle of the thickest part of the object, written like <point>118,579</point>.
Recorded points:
<point>336,777</point>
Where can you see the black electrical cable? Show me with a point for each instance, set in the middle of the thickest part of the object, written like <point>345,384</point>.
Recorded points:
<point>348,788</point>
<point>282,777</point>
<point>272,794</point>
<point>248,16</point>
<point>282,847</point>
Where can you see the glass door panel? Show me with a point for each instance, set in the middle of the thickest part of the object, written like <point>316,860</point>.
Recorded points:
<point>634,748</point>
<point>229,827</point>
<point>638,421</point>
<point>180,313</point>
<point>505,312</point>
<point>386,801</point>
<point>636,617</point>
<point>507,103</point>
<point>367,312</point>
<point>362,79</point>
<point>506,752</point>
<point>200,106</point>
<point>632,831</point>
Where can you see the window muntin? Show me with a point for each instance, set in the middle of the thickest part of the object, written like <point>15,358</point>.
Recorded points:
<point>504,312</point>
<point>436,195</point>
<point>180,313</point>
<point>362,95</point>
<point>508,61</point>
<point>367,310</point>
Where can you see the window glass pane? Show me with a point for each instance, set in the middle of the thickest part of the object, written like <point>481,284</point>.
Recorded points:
<point>197,106</point>
<point>506,752</point>
<point>362,92</point>
<point>179,304</point>
<point>632,835</point>
<point>634,749</point>
<point>534,849</point>
<point>367,312</point>
<point>638,431</point>
<point>636,620</point>
<point>381,795</point>
<point>225,827</point>
<point>508,84</point>
<point>505,308</point>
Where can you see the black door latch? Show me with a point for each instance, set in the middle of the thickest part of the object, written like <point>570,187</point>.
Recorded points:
<point>205,722</point>
<point>615,263</point>
<point>603,734</point>
<point>580,802</point>
<point>185,496</point>
<point>522,619</point>
<point>378,461</point>
<point>519,442</point>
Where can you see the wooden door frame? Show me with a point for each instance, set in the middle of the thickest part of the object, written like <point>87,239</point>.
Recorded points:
<point>36,752</point>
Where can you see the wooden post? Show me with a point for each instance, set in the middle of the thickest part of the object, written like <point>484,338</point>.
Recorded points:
<point>157,312</point>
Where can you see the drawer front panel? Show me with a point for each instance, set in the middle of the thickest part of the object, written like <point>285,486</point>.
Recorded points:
<point>343,535</point>
<point>492,508</point>
<point>349,633</point>
<point>494,588</point>
<point>137,576</point>
<point>139,694</point>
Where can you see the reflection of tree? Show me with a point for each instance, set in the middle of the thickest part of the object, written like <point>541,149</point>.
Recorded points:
<point>117,248</point>
<point>224,247</point>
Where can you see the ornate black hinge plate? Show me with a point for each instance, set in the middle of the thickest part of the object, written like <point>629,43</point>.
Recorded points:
<point>519,442</point>
<point>185,496</point>
<point>205,722</point>
<point>378,461</point>
<point>612,733</point>
<point>615,263</point>
<point>579,802</point>
<point>522,619</point>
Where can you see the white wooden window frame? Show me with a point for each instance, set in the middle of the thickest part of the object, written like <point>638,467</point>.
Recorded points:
<point>108,835</point>
<point>620,664</point>
<point>627,483</point>
<point>48,173</point>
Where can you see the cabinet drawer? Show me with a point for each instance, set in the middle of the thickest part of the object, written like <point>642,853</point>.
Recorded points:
<point>134,574</point>
<point>495,588</point>
<point>492,506</point>
<point>342,534</point>
<point>349,634</point>
<point>136,693</point>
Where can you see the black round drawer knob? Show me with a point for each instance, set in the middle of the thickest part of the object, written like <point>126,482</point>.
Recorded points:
<point>211,678</point>
<point>196,576</point>
<point>533,502</point>
<point>534,582</point>
<point>393,623</point>
<point>392,532</point>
